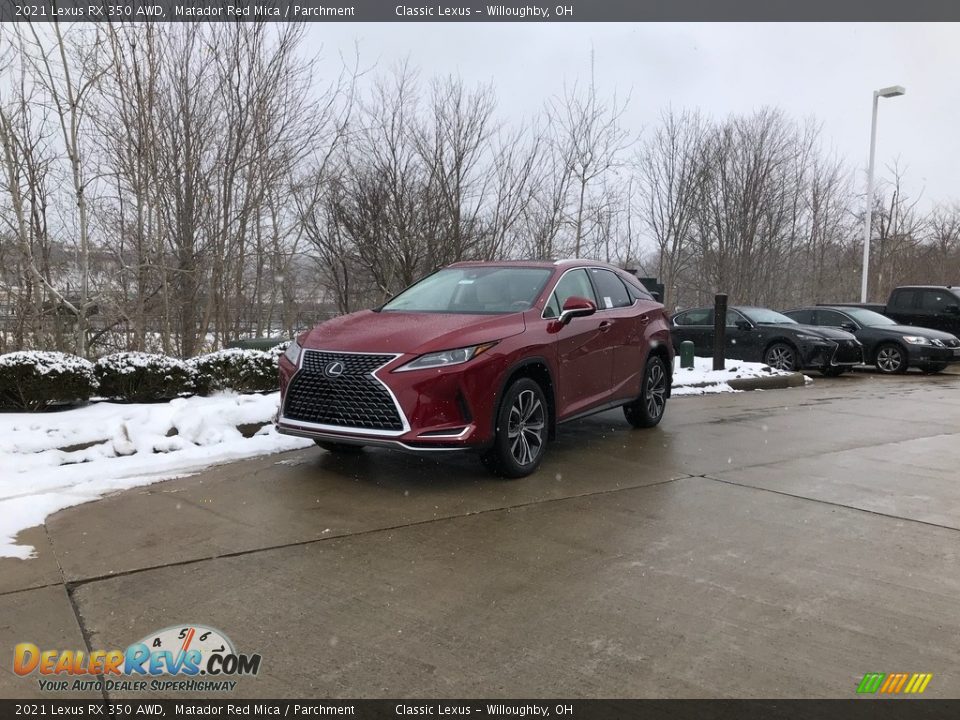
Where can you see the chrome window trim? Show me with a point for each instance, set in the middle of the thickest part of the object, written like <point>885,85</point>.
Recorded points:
<point>595,299</point>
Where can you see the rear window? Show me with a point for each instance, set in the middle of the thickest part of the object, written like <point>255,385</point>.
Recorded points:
<point>903,298</point>
<point>703,316</point>
<point>610,289</point>
<point>801,316</point>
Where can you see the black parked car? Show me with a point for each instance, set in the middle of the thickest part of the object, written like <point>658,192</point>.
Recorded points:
<point>891,347</point>
<point>761,335</point>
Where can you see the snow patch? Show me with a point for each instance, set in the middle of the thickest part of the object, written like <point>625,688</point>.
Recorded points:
<point>702,379</point>
<point>56,460</point>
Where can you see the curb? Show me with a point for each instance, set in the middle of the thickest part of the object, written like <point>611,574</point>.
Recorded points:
<point>774,382</point>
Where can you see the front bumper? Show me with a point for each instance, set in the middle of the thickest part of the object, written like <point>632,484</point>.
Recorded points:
<point>434,410</point>
<point>918,355</point>
<point>831,353</point>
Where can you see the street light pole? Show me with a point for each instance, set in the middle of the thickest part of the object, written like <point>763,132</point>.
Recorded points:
<point>892,91</point>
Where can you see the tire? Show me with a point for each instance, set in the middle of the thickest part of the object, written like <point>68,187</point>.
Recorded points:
<point>833,371</point>
<point>521,433</point>
<point>781,356</point>
<point>891,359</point>
<point>647,410</point>
<point>933,368</point>
<point>339,448</point>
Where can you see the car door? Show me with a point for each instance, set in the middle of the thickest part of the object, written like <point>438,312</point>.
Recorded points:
<point>740,343</point>
<point>623,323</point>
<point>833,319</point>
<point>903,306</point>
<point>584,354</point>
<point>697,327</point>
<point>932,311</point>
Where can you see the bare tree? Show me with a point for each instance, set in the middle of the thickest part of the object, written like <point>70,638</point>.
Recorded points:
<point>670,176</point>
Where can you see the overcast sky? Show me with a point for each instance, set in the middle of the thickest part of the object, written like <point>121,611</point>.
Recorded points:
<point>823,70</point>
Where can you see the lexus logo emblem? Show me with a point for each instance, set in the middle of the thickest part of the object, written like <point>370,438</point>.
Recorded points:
<point>333,369</point>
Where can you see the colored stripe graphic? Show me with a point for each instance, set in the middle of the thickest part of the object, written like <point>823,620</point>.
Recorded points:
<point>893,683</point>
<point>871,682</point>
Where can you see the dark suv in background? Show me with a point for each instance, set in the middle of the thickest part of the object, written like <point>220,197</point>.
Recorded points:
<point>930,306</point>
<point>483,356</point>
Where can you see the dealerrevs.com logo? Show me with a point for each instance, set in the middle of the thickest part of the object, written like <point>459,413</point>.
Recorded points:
<point>187,658</point>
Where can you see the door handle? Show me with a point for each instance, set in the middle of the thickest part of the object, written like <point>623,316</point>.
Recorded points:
<point>605,325</point>
<point>644,319</point>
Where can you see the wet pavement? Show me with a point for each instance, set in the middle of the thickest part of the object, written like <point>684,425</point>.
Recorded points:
<point>763,544</point>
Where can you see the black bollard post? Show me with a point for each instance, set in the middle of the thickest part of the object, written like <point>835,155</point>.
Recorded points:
<point>719,330</point>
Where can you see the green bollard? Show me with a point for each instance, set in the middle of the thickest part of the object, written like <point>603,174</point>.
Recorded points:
<point>686,354</point>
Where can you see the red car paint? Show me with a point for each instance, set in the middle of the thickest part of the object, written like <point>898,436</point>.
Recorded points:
<point>591,364</point>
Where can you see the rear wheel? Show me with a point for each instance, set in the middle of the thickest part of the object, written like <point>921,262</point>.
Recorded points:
<point>647,410</point>
<point>340,448</point>
<point>781,356</point>
<point>521,434</point>
<point>891,359</point>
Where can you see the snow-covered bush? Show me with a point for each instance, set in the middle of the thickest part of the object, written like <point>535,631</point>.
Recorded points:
<point>32,380</point>
<point>143,377</point>
<point>277,350</point>
<point>234,369</point>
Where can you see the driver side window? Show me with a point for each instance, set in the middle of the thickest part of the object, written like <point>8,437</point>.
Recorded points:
<point>573,283</point>
<point>831,318</point>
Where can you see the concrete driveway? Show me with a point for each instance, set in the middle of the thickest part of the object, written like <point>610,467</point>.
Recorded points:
<point>765,544</point>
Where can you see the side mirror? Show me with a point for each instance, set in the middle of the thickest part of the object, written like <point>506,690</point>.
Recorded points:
<point>849,327</point>
<point>576,306</point>
<point>744,324</point>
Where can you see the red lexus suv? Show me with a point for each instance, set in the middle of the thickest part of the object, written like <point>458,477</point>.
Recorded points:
<point>487,356</point>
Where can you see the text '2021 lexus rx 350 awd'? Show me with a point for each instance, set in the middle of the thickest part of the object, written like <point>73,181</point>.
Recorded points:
<point>489,356</point>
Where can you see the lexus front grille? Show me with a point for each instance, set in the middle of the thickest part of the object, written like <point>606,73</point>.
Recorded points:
<point>339,390</point>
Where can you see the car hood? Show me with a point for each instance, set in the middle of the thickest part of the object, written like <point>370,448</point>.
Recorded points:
<point>411,333</point>
<point>817,331</point>
<point>901,330</point>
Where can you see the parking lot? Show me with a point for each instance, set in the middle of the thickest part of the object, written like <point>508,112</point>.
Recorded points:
<point>764,544</point>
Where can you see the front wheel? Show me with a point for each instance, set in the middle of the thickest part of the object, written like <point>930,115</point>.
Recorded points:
<point>647,410</point>
<point>521,434</point>
<point>781,356</point>
<point>891,359</point>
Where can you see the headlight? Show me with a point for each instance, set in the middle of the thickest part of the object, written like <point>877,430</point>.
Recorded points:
<point>938,342</point>
<point>292,353</point>
<point>445,358</point>
<point>916,340</point>
<point>809,338</point>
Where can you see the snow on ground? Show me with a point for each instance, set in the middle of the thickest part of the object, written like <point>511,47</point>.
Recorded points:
<point>55,460</point>
<point>701,379</point>
<point>121,446</point>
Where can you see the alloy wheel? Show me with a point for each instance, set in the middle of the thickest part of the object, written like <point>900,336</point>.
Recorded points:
<point>780,357</point>
<point>889,359</point>
<point>525,426</point>
<point>655,394</point>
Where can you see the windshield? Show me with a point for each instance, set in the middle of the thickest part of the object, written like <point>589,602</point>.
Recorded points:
<point>762,316</point>
<point>484,290</point>
<point>869,318</point>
